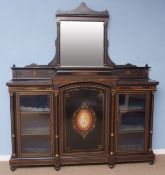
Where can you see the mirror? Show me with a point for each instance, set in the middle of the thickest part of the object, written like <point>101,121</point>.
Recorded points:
<point>81,43</point>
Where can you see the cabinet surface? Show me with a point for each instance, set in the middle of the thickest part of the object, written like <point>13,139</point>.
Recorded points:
<point>64,115</point>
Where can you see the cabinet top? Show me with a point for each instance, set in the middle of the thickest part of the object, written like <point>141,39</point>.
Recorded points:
<point>81,52</point>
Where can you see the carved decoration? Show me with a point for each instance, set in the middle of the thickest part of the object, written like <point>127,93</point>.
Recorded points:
<point>84,120</point>
<point>82,10</point>
<point>70,78</point>
<point>136,87</point>
<point>51,78</point>
<point>27,89</point>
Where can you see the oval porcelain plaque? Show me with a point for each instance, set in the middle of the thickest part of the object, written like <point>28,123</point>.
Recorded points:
<point>84,120</point>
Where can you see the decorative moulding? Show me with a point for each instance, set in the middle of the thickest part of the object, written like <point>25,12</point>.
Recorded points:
<point>156,151</point>
<point>83,10</point>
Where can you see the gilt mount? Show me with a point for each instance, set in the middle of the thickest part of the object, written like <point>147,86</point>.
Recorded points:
<point>85,126</point>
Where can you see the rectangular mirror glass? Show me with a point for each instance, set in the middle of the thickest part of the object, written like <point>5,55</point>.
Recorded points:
<point>81,43</point>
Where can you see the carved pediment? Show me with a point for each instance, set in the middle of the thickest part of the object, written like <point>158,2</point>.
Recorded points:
<point>82,10</point>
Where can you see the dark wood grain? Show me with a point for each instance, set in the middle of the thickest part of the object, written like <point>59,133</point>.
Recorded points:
<point>53,80</point>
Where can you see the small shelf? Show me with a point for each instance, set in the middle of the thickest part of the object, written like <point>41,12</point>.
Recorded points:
<point>35,150</point>
<point>35,112</point>
<point>36,131</point>
<point>130,128</point>
<point>131,110</point>
<point>129,131</point>
<point>35,134</point>
<point>137,147</point>
<point>24,109</point>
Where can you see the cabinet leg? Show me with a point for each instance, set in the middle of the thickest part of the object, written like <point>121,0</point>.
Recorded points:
<point>111,165</point>
<point>12,168</point>
<point>151,162</point>
<point>57,168</point>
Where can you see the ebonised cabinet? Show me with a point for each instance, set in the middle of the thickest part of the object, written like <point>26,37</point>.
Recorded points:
<point>63,115</point>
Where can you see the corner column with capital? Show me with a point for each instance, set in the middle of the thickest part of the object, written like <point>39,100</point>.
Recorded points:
<point>13,134</point>
<point>112,130</point>
<point>56,131</point>
<point>151,126</point>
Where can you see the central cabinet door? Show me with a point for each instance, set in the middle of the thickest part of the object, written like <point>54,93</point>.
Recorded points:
<point>85,120</point>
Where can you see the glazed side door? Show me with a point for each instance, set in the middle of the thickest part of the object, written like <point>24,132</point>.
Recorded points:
<point>131,133</point>
<point>34,118</point>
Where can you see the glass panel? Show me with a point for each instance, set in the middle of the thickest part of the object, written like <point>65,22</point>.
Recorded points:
<point>35,144</point>
<point>132,102</point>
<point>35,123</point>
<point>131,121</point>
<point>84,119</point>
<point>81,43</point>
<point>131,141</point>
<point>131,111</point>
<point>34,103</point>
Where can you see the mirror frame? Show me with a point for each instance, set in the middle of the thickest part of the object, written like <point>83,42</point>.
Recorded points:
<point>82,13</point>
